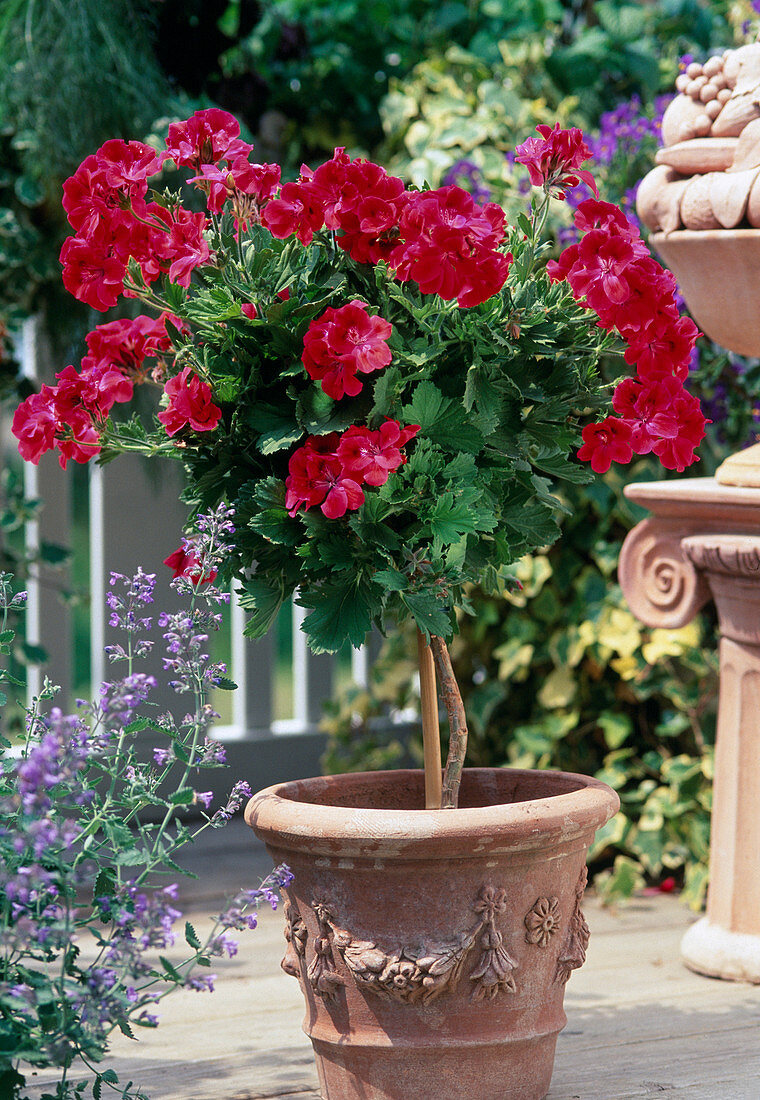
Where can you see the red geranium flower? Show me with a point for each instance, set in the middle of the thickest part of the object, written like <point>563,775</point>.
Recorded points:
<point>554,160</point>
<point>35,423</point>
<point>91,271</point>
<point>190,404</point>
<point>374,455</point>
<point>204,138</point>
<point>184,563</point>
<point>605,443</point>
<point>317,477</point>
<point>297,212</point>
<point>449,246</point>
<point>343,342</point>
<point>127,343</point>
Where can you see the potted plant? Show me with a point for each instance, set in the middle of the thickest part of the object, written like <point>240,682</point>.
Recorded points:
<point>387,386</point>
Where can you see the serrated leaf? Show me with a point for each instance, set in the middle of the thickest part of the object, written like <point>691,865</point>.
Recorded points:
<point>271,518</point>
<point>183,797</point>
<point>137,726</point>
<point>170,970</point>
<point>125,1029</point>
<point>391,579</point>
<point>557,465</point>
<point>276,431</point>
<point>339,614</point>
<point>131,857</point>
<point>262,602</point>
<point>191,936</point>
<point>442,420</point>
<point>224,684</point>
<point>449,519</point>
<point>427,612</point>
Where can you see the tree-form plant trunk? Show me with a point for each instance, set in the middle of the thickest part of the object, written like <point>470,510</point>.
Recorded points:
<point>452,700</point>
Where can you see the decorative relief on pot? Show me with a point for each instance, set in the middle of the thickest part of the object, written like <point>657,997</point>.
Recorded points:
<point>542,921</point>
<point>573,954</point>
<point>322,973</point>
<point>419,974</point>
<point>296,936</point>
<point>493,972</point>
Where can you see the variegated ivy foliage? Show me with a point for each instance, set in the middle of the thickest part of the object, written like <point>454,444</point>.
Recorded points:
<point>457,119</point>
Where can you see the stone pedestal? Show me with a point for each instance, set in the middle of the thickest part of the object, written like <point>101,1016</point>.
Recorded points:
<point>703,542</point>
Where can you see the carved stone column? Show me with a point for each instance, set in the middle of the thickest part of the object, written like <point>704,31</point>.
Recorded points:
<point>704,542</point>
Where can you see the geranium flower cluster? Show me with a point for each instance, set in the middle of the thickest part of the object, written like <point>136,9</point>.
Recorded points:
<point>342,343</point>
<point>329,470</point>
<point>442,240</point>
<point>554,159</point>
<point>70,415</point>
<point>105,201</point>
<point>611,270</point>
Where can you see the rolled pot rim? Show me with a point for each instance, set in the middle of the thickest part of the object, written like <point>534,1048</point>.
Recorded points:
<point>282,817</point>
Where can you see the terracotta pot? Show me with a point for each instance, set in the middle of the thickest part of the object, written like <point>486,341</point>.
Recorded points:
<point>718,271</point>
<point>433,946</point>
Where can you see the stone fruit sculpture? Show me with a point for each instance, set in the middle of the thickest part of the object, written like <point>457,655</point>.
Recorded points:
<point>707,171</point>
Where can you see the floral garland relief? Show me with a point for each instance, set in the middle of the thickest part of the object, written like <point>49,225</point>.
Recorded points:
<point>412,975</point>
<point>419,975</point>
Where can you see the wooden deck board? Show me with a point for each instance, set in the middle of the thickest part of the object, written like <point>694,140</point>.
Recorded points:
<point>639,1023</point>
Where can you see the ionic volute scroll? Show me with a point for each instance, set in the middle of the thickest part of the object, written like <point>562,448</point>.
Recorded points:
<point>659,581</point>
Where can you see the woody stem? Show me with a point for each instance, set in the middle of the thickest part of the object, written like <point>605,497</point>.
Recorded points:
<point>452,700</point>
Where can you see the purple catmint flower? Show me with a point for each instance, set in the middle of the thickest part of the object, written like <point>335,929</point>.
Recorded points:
<point>236,914</point>
<point>213,754</point>
<point>163,756</point>
<point>239,792</point>
<point>204,797</point>
<point>201,983</point>
<point>185,638</point>
<point>223,945</point>
<point>120,699</point>
<point>130,596</point>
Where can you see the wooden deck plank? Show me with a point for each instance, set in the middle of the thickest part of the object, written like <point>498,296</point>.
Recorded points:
<point>639,1023</point>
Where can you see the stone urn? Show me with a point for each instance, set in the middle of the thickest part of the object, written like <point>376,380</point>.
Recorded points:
<point>433,946</point>
<point>718,273</point>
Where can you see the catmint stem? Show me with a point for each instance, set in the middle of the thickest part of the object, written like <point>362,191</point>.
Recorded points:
<point>452,700</point>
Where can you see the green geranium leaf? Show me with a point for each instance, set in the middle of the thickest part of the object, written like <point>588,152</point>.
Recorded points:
<point>276,430</point>
<point>442,420</point>
<point>428,613</point>
<point>339,614</point>
<point>263,602</point>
